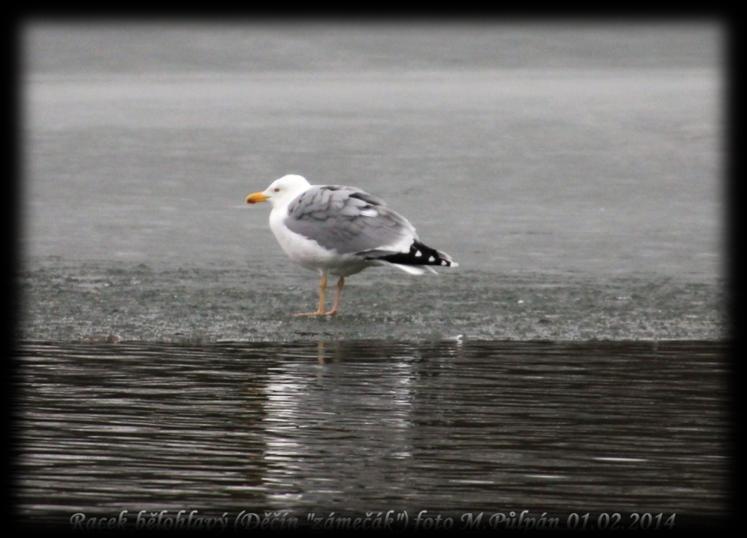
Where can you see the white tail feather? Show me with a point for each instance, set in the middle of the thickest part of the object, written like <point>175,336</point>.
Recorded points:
<point>412,269</point>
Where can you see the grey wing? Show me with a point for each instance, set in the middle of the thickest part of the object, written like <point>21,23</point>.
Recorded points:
<point>348,220</point>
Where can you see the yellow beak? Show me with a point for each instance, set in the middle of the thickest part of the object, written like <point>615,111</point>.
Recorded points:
<point>256,197</point>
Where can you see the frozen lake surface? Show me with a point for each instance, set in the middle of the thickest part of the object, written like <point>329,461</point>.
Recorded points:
<point>96,303</point>
<point>579,203</point>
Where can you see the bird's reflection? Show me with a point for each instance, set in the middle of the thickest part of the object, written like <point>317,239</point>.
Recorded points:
<point>330,422</point>
<point>325,355</point>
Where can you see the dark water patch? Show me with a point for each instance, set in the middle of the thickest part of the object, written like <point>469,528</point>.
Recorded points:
<point>372,425</point>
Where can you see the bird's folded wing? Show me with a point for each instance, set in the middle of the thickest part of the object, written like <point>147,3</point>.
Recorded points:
<point>348,220</point>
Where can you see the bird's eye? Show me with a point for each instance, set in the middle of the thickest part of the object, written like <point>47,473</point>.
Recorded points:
<point>276,189</point>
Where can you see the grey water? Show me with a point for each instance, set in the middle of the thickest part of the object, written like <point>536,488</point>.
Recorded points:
<point>374,426</point>
<point>574,361</point>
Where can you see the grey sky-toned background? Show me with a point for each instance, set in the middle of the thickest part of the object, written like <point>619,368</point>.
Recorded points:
<point>117,47</point>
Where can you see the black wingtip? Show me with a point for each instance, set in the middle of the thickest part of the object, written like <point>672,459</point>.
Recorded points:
<point>420,254</point>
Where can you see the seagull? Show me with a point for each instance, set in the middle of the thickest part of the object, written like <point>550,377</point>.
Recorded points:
<point>339,230</point>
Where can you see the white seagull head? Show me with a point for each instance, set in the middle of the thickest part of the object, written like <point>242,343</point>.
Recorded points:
<point>281,191</point>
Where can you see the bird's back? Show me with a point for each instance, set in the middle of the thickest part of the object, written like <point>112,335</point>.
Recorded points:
<point>348,220</point>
